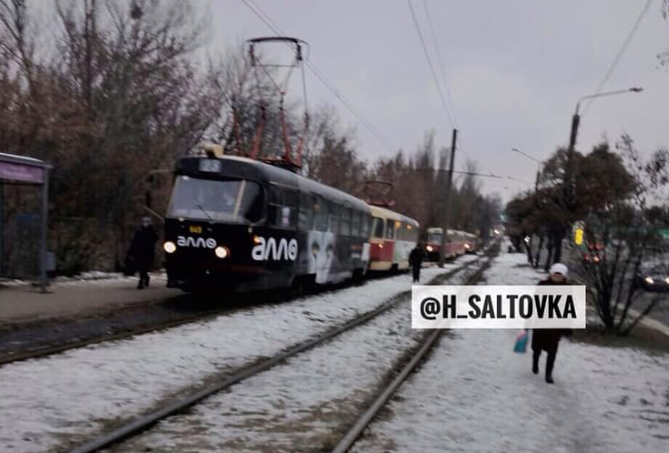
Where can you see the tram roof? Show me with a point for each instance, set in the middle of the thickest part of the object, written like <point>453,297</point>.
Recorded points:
<point>390,214</point>
<point>243,167</point>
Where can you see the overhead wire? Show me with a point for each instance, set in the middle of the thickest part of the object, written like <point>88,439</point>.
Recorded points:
<point>431,66</point>
<point>264,17</point>
<point>620,53</point>
<point>440,62</point>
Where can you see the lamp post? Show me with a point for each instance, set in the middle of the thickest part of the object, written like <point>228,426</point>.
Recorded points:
<point>568,188</point>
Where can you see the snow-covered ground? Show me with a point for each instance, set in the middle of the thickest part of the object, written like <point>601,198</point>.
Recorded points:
<point>77,393</point>
<point>476,395</point>
<point>298,406</point>
<point>293,407</point>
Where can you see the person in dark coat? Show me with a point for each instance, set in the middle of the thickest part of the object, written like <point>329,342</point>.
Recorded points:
<point>416,258</point>
<point>548,339</point>
<point>142,251</point>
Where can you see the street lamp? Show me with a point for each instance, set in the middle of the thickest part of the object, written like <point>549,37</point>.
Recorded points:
<point>576,119</point>
<point>567,192</point>
<point>608,93</point>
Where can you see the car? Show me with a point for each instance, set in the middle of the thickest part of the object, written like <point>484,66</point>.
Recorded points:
<point>653,277</point>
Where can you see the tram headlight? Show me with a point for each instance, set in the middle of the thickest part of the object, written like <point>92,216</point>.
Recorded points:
<point>429,248</point>
<point>649,280</point>
<point>169,247</point>
<point>222,252</point>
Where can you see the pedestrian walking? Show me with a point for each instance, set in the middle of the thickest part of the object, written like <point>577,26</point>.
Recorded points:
<point>142,251</point>
<point>416,258</point>
<point>548,339</point>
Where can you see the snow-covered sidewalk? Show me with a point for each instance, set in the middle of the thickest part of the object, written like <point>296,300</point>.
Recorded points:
<point>475,394</point>
<point>77,393</point>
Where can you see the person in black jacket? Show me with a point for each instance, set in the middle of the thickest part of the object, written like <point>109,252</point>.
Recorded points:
<point>548,339</point>
<point>142,251</point>
<point>416,258</point>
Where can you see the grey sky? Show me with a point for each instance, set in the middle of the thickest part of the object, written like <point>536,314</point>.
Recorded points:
<point>515,69</point>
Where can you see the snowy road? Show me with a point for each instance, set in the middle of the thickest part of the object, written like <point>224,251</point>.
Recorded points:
<point>70,396</point>
<point>476,395</point>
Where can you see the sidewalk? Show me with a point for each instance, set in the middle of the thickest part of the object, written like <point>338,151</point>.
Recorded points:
<point>476,395</point>
<point>21,304</point>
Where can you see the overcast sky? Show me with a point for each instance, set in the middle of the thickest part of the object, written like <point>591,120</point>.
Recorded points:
<point>515,69</point>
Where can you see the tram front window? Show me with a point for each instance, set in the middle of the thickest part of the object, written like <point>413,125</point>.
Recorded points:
<point>434,238</point>
<point>237,201</point>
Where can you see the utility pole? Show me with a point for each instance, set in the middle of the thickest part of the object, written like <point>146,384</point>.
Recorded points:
<point>569,173</point>
<point>568,185</point>
<point>447,201</point>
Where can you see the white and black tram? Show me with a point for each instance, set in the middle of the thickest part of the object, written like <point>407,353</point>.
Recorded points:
<point>239,224</point>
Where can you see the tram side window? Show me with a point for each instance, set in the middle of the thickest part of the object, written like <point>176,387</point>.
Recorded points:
<point>321,214</point>
<point>378,228</point>
<point>390,229</point>
<point>333,224</point>
<point>306,212</point>
<point>412,233</point>
<point>401,232</point>
<point>355,224</point>
<point>365,224</point>
<point>282,207</point>
<point>345,221</point>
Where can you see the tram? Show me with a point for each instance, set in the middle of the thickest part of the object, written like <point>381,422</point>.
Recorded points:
<point>457,243</point>
<point>393,236</point>
<point>240,224</point>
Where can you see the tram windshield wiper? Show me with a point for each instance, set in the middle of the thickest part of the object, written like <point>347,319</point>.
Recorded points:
<point>211,219</point>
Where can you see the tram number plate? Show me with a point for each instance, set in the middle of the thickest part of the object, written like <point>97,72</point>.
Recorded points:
<point>210,166</point>
<point>195,229</point>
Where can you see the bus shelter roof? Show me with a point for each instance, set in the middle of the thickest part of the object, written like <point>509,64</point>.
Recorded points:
<point>15,169</point>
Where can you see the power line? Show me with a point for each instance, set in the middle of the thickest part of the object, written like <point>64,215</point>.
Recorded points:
<point>265,18</point>
<point>620,53</point>
<point>429,62</point>
<point>320,76</point>
<point>462,172</point>
<point>483,175</point>
<point>440,61</point>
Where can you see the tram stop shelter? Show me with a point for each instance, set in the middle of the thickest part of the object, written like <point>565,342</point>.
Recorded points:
<point>21,170</point>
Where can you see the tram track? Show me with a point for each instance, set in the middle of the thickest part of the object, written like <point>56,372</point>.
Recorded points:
<point>150,318</point>
<point>412,361</point>
<point>145,422</point>
<point>178,405</point>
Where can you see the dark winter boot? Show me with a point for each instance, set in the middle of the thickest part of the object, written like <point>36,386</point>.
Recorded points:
<point>550,361</point>
<point>146,280</point>
<point>140,285</point>
<point>535,361</point>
